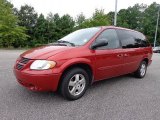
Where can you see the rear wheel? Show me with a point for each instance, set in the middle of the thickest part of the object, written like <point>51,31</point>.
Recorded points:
<point>141,72</point>
<point>74,83</point>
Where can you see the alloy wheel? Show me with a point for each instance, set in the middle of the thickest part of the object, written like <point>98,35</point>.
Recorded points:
<point>143,69</point>
<point>77,84</point>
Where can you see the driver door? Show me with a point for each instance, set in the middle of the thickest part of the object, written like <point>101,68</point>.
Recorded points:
<point>109,59</point>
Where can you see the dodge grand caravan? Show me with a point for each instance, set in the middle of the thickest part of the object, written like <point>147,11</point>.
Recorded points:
<point>85,56</point>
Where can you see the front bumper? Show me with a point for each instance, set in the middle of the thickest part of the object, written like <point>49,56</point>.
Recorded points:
<point>38,82</point>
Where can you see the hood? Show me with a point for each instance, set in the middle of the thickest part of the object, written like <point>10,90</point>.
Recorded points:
<point>44,52</point>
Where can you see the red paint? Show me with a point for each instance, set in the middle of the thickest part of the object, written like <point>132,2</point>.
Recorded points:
<point>104,63</point>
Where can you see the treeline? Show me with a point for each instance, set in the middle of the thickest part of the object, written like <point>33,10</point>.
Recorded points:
<point>25,28</point>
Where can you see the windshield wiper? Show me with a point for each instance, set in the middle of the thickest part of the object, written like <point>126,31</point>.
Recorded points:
<point>57,44</point>
<point>62,41</point>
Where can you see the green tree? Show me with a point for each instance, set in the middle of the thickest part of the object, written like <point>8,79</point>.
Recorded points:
<point>99,18</point>
<point>66,25</point>
<point>28,18</point>
<point>51,28</point>
<point>132,17</point>
<point>41,30</point>
<point>79,20</point>
<point>123,18</point>
<point>111,18</point>
<point>140,17</point>
<point>10,32</point>
<point>149,23</point>
<point>59,26</point>
<point>54,26</point>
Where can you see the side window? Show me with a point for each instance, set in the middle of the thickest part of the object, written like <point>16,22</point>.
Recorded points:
<point>131,39</point>
<point>140,39</point>
<point>128,39</point>
<point>111,36</point>
<point>144,42</point>
<point>137,38</point>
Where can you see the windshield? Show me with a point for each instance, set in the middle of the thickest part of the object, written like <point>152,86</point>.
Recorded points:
<point>80,37</point>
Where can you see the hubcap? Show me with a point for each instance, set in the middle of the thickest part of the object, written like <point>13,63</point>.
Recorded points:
<point>143,69</point>
<point>77,84</point>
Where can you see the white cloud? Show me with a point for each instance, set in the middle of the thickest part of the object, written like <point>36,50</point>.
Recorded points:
<point>75,7</point>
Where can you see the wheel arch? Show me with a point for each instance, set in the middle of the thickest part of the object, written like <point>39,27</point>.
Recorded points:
<point>88,68</point>
<point>146,60</point>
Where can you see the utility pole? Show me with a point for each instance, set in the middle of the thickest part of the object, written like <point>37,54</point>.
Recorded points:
<point>115,14</point>
<point>155,40</point>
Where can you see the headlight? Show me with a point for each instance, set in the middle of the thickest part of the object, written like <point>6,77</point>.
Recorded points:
<point>42,65</point>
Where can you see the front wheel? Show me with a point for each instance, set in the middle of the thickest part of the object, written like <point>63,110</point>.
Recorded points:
<point>141,72</point>
<point>74,83</point>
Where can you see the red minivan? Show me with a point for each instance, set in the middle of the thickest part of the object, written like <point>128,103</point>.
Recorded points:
<point>85,56</point>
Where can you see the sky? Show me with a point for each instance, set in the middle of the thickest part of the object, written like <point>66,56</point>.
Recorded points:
<point>75,7</point>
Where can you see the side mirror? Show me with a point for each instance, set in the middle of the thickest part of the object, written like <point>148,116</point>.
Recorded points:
<point>100,43</point>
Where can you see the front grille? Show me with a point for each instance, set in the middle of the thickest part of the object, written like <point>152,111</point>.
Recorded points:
<point>24,60</point>
<point>19,66</point>
<point>21,63</point>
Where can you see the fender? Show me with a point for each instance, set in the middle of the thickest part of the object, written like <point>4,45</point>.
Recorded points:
<point>145,57</point>
<point>77,61</point>
<point>74,61</point>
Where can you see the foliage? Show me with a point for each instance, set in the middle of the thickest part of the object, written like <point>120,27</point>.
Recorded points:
<point>142,18</point>
<point>23,27</point>
<point>40,30</point>
<point>80,19</point>
<point>59,26</point>
<point>28,19</point>
<point>10,33</point>
<point>149,22</point>
<point>111,18</point>
<point>99,18</point>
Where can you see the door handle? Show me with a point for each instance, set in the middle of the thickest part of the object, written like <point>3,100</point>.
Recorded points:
<point>120,55</point>
<point>126,55</point>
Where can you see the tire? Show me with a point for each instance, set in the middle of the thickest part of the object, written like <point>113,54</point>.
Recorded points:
<point>141,72</point>
<point>74,83</point>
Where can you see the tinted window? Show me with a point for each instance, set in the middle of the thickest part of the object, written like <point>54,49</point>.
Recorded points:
<point>132,39</point>
<point>111,36</point>
<point>143,42</point>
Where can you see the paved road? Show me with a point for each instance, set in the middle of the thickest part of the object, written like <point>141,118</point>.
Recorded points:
<point>123,98</point>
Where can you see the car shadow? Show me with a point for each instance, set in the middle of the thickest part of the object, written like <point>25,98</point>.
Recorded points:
<point>113,80</point>
<point>47,97</point>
